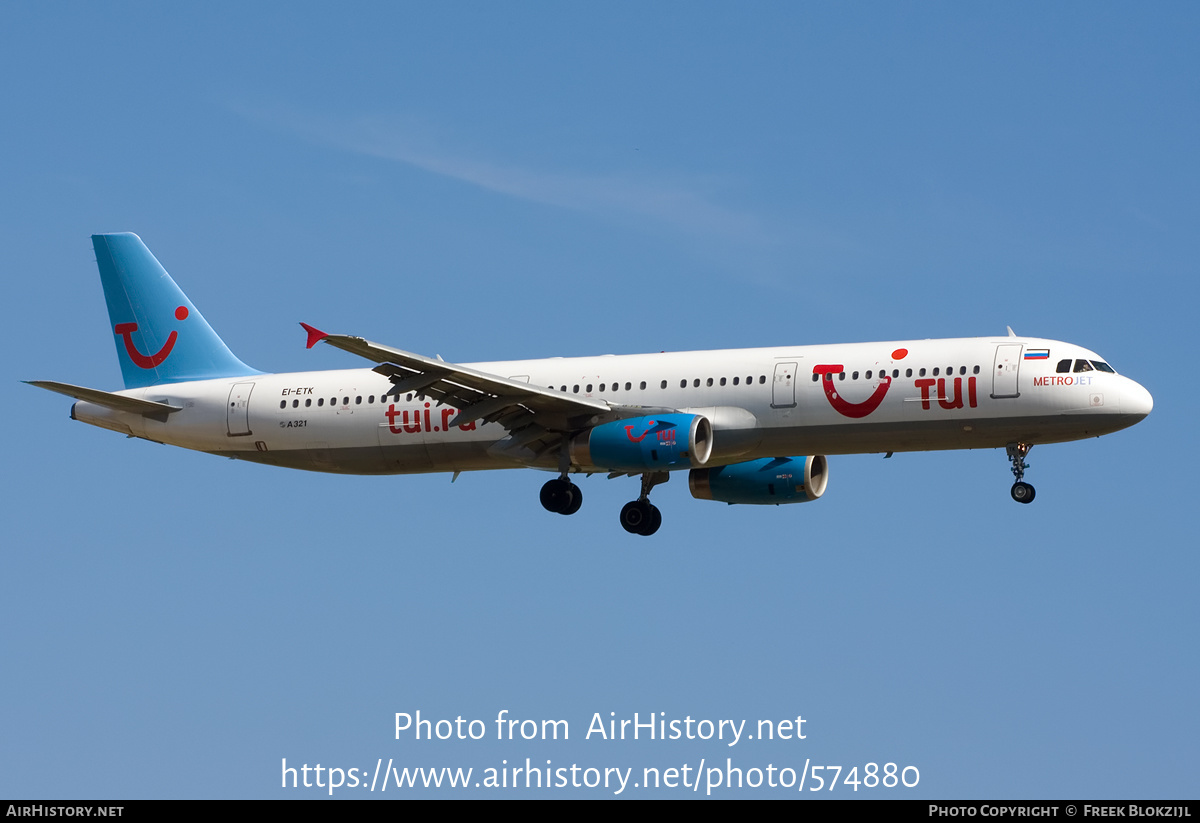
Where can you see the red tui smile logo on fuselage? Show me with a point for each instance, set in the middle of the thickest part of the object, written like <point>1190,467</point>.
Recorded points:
<point>144,361</point>
<point>845,407</point>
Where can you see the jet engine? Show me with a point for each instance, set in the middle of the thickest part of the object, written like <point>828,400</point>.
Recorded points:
<point>638,444</point>
<point>769,481</point>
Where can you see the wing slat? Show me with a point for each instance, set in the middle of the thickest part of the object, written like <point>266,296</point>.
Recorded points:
<point>476,394</point>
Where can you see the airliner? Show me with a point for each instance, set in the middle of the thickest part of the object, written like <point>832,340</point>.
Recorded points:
<point>749,426</point>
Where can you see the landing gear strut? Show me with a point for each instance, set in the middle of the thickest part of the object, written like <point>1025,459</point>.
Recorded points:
<point>641,516</point>
<point>1022,492</point>
<point>561,496</point>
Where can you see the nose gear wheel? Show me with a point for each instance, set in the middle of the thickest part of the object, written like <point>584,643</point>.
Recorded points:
<point>1022,492</point>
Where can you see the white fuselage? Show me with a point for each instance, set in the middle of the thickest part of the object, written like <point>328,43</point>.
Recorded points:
<point>797,400</point>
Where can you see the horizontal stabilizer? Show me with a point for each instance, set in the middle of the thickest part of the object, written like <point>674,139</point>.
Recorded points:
<point>117,402</point>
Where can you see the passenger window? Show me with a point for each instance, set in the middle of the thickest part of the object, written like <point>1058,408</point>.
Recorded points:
<point>696,383</point>
<point>908,372</point>
<point>854,376</point>
<point>664,385</point>
<point>575,388</point>
<point>762,378</point>
<point>307,402</point>
<point>602,388</point>
<point>816,377</point>
<point>295,404</point>
<point>921,373</point>
<point>936,371</point>
<point>320,401</point>
<point>975,370</point>
<point>283,404</point>
<point>722,381</point>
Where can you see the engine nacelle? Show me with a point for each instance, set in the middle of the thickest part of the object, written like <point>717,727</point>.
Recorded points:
<point>656,441</point>
<point>770,481</point>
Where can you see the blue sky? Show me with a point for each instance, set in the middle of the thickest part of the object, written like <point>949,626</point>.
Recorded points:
<point>494,181</point>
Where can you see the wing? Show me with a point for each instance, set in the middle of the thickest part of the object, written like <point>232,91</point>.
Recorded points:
<point>537,418</point>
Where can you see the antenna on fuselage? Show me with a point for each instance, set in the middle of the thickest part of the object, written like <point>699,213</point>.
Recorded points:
<point>1011,333</point>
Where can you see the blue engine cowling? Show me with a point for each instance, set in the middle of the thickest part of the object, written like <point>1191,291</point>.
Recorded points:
<point>656,441</point>
<point>769,482</point>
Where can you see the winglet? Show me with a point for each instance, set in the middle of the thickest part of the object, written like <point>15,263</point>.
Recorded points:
<point>315,336</point>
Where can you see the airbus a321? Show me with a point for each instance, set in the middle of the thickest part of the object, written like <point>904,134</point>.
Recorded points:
<point>749,426</point>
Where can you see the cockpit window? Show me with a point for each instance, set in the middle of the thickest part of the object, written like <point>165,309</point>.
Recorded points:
<point>1083,365</point>
<point>1064,366</point>
<point>1102,366</point>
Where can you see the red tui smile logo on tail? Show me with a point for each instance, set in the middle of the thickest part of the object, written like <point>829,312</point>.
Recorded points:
<point>143,361</point>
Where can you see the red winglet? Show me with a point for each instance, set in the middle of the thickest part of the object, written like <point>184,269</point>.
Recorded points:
<point>315,336</point>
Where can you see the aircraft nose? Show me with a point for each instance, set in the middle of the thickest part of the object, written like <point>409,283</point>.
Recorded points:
<point>1136,402</point>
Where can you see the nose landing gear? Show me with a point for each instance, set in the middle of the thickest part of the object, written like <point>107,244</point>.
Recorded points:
<point>641,516</point>
<point>1022,492</point>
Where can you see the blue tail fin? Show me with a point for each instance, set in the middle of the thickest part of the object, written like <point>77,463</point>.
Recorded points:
<point>160,336</point>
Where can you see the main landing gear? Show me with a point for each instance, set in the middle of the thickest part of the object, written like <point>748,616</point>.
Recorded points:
<point>1022,492</point>
<point>641,516</point>
<point>561,496</point>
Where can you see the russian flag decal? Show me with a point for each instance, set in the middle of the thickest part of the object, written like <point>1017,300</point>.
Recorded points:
<point>1037,354</point>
